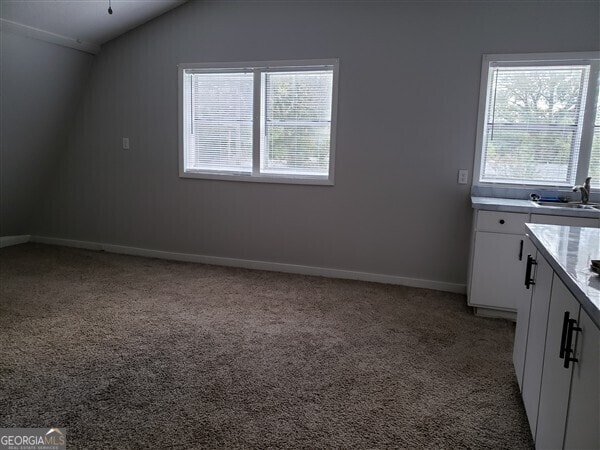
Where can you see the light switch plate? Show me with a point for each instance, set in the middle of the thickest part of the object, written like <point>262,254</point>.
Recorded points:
<point>463,176</point>
<point>125,143</point>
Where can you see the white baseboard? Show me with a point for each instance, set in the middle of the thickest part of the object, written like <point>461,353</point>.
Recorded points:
<point>88,245</point>
<point>495,313</point>
<point>7,241</point>
<point>259,265</point>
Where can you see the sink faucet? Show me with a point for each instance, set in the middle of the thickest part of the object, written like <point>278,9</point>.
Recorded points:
<point>584,189</point>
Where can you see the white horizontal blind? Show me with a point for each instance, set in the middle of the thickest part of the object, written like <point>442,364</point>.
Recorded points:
<point>533,124</point>
<point>296,125</point>
<point>219,134</point>
<point>594,170</point>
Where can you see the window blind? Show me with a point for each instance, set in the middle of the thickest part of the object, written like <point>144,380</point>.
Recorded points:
<point>269,121</point>
<point>296,125</point>
<point>533,124</point>
<point>219,137</point>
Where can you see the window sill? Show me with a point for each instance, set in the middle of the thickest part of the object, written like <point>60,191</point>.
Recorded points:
<point>278,179</point>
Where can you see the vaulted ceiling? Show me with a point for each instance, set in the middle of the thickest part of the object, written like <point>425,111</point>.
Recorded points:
<point>84,22</point>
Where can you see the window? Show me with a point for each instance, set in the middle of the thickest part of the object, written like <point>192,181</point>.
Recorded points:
<point>539,124</point>
<point>594,171</point>
<point>272,122</point>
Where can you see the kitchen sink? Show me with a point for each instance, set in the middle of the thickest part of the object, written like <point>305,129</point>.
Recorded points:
<point>572,205</point>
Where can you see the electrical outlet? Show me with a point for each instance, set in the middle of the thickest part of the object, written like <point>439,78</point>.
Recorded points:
<point>125,143</point>
<point>463,176</point>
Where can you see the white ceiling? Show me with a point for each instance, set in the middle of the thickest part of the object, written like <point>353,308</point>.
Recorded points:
<point>83,20</point>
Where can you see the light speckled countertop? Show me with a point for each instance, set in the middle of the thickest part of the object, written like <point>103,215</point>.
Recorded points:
<point>569,251</point>
<point>527,206</point>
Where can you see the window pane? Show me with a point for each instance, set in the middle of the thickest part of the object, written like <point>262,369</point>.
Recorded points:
<point>533,124</point>
<point>538,156</point>
<point>296,122</point>
<point>220,133</point>
<point>297,149</point>
<point>594,171</point>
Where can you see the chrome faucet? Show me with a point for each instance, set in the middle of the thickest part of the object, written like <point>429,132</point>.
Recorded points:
<point>584,189</point>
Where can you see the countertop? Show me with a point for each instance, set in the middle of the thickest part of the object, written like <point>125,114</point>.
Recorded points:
<point>527,206</point>
<point>569,251</point>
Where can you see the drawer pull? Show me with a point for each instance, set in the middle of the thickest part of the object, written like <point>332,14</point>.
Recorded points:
<point>501,221</point>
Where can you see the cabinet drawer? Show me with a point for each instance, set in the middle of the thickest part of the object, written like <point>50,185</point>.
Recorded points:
<point>502,222</point>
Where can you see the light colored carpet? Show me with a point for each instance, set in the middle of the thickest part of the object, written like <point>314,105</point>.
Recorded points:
<point>131,352</point>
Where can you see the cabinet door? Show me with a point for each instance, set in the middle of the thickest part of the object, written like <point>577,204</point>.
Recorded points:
<point>583,418</point>
<point>556,380</point>
<point>523,317</point>
<point>498,273</point>
<point>536,340</point>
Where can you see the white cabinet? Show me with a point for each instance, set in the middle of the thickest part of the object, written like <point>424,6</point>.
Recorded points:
<point>556,380</point>
<point>561,379</point>
<point>498,259</point>
<point>521,331</point>
<point>498,268</point>
<point>497,263</point>
<point>533,343</point>
<point>583,416</point>
<point>523,311</point>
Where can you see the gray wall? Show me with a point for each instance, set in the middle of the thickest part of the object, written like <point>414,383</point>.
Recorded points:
<point>408,94</point>
<point>39,87</point>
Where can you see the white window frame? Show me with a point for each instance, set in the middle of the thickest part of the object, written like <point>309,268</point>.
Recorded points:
<point>259,67</point>
<point>585,146</point>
